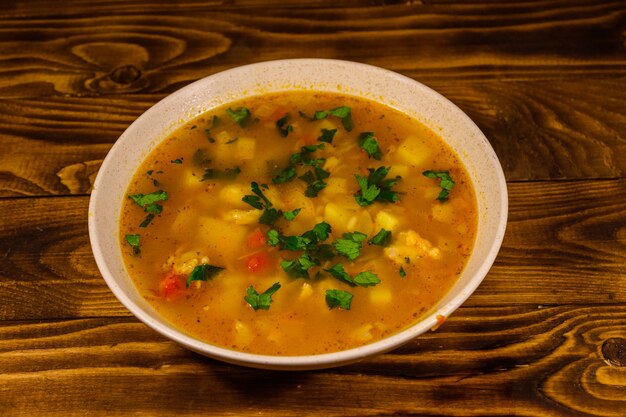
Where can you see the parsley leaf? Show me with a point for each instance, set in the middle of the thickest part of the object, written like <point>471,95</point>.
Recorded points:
<point>342,112</point>
<point>445,182</point>
<point>382,238</point>
<point>143,200</point>
<point>286,175</point>
<point>321,231</point>
<point>257,201</point>
<point>327,135</point>
<point>366,279</point>
<point>273,237</point>
<point>146,222</point>
<point>280,125</point>
<point>133,241</point>
<point>298,268</point>
<point>338,298</point>
<point>402,273</point>
<point>290,215</point>
<point>261,301</point>
<point>338,272</point>
<point>203,272</point>
<point>201,158</point>
<point>218,174</point>
<point>269,216</point>
<point>239,116</point>
<point>350,245</point>
<point>376,188</point>
<point>368,142</point>
<point>177,161</point>
<point>345,114</point>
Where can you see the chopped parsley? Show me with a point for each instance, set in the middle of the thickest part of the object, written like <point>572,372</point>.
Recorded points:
<point>283,128</point>
<point>209,136</point>
<point>314,178</point>
<point>203,272</point>
<point>146,222</point>
<point>338,299</point>
<point>327,135</point>
<point>219,174</point>
<point>402,273</point>
<point>240,116</point>
<point>368,142</point>
<point>143,200</point>
<point>193,127</point>
<point>133,241</point>
<point>366,279</point>
<point>149,172</point>
<point>382,238</point>
<point>375,187</point>
<point>298,268</point>
<point>343,112</point>
<point>445,182</point>
<point>338,272</point>
<point>261,301</point>
<point>201,158</point>
<point>291,215</point>
<point>363,279</point>
<point>177,161</point>
<point>260,202</point>
<point>350,245</point>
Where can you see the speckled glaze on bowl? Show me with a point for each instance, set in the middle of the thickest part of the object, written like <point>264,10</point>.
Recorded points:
<point>344,77</point>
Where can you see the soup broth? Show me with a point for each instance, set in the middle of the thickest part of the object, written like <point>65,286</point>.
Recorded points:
<point>298,223</point>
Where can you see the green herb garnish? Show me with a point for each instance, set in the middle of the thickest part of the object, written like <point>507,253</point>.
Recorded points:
<point>375,187</point>
<point>177,161</point>
<point>133,241</point>
<point>343,112</point>
<point>218,174</point>
<point>203,272</point>
<point>338,272</point>
<point>382,238</point>
<point>298,268</point>
<point>143,200</point>
<point>350,245</point>
<point>338,298</point>
<point>366,279</point>
<point>445,182</point>
<point>291,215</point>
<point>261,301</point>
<point>201,158</point>
<point>368,142</point>
<point>146,222</point>
<point>239,116</point>
<point>327,135</point>
<point>402,273</point>
<point>260,202</point>
<point>283,128</point>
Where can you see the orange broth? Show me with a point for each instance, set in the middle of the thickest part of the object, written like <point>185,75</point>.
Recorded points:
<point>204,230</point>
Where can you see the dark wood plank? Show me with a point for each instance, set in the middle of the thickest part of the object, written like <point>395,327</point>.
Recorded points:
<point>483,361</point>
<point>565,243</point>
<point>129,52</point>
<point>563,129</point>
<point>55,145</point>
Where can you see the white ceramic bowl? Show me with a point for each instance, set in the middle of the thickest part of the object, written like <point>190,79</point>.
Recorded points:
<point>345,77</point>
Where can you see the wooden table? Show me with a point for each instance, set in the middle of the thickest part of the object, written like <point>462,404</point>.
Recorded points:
<point>544,335</point>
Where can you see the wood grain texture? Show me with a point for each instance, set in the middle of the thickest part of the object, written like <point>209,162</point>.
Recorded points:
<point>109,52</point>
<point>484,361</point>
<point>565,243</point>
<point>557,130</point>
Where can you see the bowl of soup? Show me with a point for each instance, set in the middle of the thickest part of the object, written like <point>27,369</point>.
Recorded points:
<point>298,214</point>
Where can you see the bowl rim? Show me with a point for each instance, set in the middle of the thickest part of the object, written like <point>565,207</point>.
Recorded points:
<point>298,362</point>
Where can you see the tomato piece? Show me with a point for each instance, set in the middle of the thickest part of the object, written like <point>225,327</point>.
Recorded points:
<point>257,262</point>
<point>171,285</point>
<point>256,239</point>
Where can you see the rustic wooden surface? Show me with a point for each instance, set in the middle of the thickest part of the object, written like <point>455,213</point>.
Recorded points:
<point>544,335</point>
